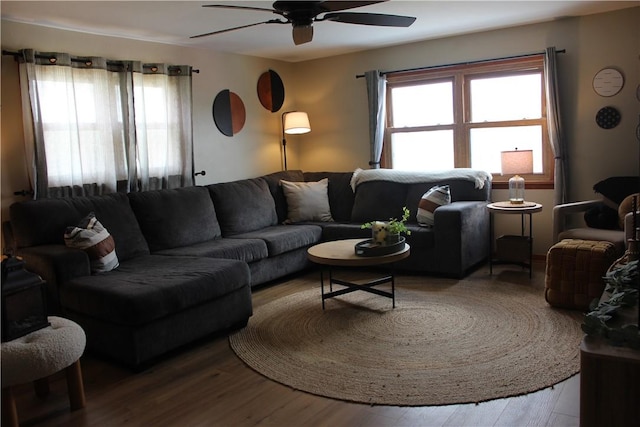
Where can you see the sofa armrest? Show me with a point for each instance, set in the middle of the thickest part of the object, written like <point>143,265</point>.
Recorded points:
<point>56,264</point>
<point>561,212</point>
<point>461,233</point>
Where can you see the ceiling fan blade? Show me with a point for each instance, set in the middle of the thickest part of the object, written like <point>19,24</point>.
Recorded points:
<point>228,6</point>
<point>271,21</point>
<point>334,6</point>
<point>377,19</point>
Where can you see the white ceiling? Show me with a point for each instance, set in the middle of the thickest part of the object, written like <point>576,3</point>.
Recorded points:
<point>173,22</point>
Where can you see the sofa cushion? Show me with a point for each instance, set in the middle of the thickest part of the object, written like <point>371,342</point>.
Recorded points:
<point>243,206</point>
<point>378,200</point>
<point>341,194</point>
<point>150,287</point>
<point>44,221</point>
<point>437,196</point>
<point>285,238</point>
<point>307,201</point>
<point>273,181</point>
<point>91,236</point>
<point>247,250</point>
<point>175,218</point>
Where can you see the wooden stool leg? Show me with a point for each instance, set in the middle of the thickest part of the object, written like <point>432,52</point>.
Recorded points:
<point>9,411</point>
<point>41,387</point>
<point>75,386</point>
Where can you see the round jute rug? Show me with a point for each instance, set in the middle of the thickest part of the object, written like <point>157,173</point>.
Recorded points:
<point>445,342</point>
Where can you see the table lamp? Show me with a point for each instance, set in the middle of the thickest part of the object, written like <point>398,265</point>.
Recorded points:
<point>516,162</point>
<point>293,123</point>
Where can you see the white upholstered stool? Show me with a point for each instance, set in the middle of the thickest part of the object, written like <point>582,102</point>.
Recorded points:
<point>38,355</point>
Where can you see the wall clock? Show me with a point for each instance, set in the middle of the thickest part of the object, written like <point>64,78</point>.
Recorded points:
<point>608,117</point>
<point>608,82</point>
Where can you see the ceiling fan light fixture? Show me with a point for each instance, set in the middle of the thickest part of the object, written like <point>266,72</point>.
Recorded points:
<point>302,34</point>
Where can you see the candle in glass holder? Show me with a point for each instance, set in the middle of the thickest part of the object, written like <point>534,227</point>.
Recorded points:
<point>379,232</point>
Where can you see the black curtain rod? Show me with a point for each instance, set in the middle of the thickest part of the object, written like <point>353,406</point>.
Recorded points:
<point>17,55</point>
<point>461,63</point>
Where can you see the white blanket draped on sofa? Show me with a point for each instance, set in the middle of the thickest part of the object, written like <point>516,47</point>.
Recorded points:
<point>413,177</point>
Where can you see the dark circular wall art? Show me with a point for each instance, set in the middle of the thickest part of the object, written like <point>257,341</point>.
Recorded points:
<point>608,118</point>
<point>270,91</point>
<point>228,112</point>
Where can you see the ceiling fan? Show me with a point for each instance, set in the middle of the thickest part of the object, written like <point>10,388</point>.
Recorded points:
<point>302,15</point>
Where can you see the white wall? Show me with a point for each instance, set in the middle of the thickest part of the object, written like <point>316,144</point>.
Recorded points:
<point>336,101</point>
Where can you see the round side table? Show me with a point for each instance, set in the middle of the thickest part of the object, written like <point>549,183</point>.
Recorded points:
<point>522,209</point>
<point>38,355</point>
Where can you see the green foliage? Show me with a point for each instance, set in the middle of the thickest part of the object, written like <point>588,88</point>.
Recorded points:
<point>623,286</point>
<point>395,226</point>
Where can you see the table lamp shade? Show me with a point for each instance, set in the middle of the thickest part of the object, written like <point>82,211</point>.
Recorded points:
<point>517,162</point>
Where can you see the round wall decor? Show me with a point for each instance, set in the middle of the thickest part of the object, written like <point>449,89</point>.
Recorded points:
<point>608,117</point>
<point>608,82</point>
<point>271,91</point>
<point>228,112</point>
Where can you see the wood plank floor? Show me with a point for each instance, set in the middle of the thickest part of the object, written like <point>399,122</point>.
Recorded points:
<point>207,385</point>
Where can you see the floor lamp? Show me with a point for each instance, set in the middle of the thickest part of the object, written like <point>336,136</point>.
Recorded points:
<point>293,123</point>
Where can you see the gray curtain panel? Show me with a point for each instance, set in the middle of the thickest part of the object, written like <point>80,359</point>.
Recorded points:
<point>558,144</point>
<point>377,94</point>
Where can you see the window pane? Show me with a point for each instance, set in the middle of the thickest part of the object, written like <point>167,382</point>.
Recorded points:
<point>506,98</point>
<point>487,143</point>
<point>422,150</point>
<point>422,105</point>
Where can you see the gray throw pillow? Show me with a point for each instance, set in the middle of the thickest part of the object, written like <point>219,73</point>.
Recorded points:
<point>307,201</point>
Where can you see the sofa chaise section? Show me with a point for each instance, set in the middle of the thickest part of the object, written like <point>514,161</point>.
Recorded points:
<point>148,305</point>
<point>152,304</point>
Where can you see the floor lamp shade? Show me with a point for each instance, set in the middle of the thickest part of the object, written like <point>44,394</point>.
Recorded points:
<point>293,123</point>
<point>516,162</point>
<point>296,122</point>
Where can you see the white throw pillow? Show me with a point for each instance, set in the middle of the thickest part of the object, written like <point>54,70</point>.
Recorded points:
<point>91,236</point>
<point>437,196</point>
<point>307,201</point>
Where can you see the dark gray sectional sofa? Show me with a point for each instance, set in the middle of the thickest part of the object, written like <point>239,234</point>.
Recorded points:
<point>190,256</point>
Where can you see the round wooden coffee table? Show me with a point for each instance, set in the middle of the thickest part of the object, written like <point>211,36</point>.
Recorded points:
<point>341,253</point>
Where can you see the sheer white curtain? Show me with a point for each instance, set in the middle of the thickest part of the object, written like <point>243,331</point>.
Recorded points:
<point>163,122</point>
<point>95,126</point>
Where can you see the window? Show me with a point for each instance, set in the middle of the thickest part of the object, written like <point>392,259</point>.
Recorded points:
<point>465,115</point>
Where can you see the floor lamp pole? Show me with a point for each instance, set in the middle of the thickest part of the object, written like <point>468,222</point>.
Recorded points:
<point>284,141</point>
<point>284,151</point>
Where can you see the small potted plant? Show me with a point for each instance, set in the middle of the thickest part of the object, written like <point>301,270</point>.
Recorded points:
<point>388,232</point>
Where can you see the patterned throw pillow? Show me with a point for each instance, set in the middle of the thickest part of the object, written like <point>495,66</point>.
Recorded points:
<point>431,200</point>
<point>91,236</point>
